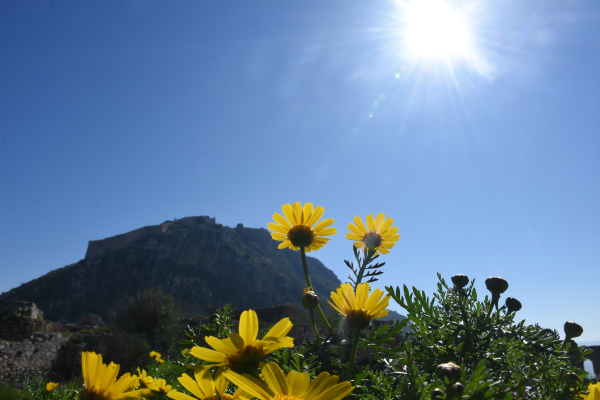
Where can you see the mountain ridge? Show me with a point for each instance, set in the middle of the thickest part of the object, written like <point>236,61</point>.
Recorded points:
<point>198,262</point>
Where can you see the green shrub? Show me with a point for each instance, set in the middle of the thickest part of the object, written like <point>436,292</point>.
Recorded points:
<point>148,312</point>
<point>128,350</point>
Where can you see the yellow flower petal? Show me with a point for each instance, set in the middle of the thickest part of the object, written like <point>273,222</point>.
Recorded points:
<point>327,232</point>
<point>281,221</point>
<point>249,326</point>
<point>279,330</point>
<point>323,224</point>
<point>205,381</point>
<point>207,354</point>
<point>289,214</point>
<point>180,396</point>
<point>370,222</point>
<point>386,225</point>
<point>359,223</point>
<point>221,382</point>
<point>298,382</point>
<point>362,293</point>
<point>378,222</point>
<point>277,228</point>
<point>315,216</point>
<point>251,385</point>
<point>297,210</point>
<point>191,385</point>
<point>307,211</point>
<point>274,377</point>
<point>336,392</point>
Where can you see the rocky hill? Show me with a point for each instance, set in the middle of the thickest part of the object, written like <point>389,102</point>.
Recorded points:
<point>199,262</point>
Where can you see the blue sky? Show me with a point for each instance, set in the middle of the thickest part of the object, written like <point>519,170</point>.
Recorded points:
<point>120,114</point>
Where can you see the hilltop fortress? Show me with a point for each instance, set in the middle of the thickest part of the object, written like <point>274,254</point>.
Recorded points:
<point>99,248</point>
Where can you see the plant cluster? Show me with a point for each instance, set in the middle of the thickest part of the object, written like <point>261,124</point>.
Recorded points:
<point>458,345</point>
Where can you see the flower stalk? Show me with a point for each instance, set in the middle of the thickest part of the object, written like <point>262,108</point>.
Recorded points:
<point>318,307</point>
<point>353,352</point>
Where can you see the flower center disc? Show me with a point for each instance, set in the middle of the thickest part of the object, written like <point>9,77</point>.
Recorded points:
<point>286,397</point>
<point>372,239</point>
<point>301,235</point>
<point>357,319</point>
<point>246,360</point>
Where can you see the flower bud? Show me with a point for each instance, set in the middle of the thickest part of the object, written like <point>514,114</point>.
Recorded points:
<point>572,329</point>
<point>458,388</point>
<point>309,299</point>
<point>435,393</point>
<point>496,285</point>
<point>460,281</point>
<point>512,304</point>
<point>450,371</point>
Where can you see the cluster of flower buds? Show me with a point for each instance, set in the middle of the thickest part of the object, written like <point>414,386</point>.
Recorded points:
<point>453,372</point>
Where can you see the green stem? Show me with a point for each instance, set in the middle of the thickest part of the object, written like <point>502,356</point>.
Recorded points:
<point>312,320</point>
<point>303,255</point>
<point>366,260</point>
<point>465,317</point>
<point>353,354</point>
<point>490,309</point>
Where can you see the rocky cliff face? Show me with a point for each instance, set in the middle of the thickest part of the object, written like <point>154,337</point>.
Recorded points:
<point>200,263</point>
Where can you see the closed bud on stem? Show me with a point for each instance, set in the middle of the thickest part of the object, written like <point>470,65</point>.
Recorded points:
<point>512,304</point>
<point>572,330</point>
<point>496,285</point>
<point>435,393</point>
<point>458,388</point>
<point>309,299</point>
<point>460,281</point>
<point>450,371</point>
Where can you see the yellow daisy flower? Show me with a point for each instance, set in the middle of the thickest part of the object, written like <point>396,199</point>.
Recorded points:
<point>296,229</point>
<point>242,352</point>
<point>50,386</point>
<point>359,309</point>
<point>164,388</point>
<point>146,381</point>
<point>205,388</point>
<point>594,392</point>
<point>296,386</point>
<point>100,380</point>
<point>380,233</point>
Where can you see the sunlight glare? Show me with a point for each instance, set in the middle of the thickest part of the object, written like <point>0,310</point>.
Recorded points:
<point>434,30</point>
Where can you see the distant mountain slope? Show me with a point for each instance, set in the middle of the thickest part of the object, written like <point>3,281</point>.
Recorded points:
<point>200,263</point>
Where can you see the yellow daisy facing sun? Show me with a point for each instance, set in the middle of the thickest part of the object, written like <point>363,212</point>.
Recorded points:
<point>296,386</point>
<point>359,309</point>
<point>296,227</point>
<point>379,233</point>
<point>243,352</point>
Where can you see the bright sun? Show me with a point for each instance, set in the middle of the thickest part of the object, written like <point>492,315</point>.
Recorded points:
<point>435,31</point>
